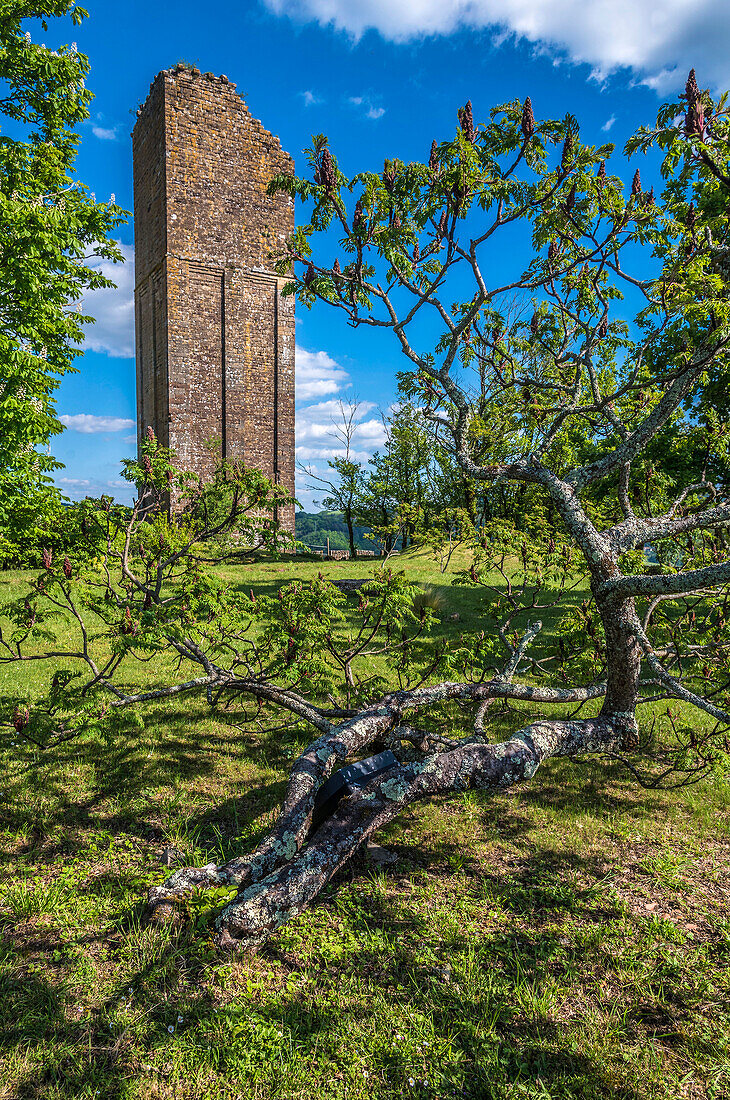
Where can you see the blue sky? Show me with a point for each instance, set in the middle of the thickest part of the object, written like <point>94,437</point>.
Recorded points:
<point>380,78</point>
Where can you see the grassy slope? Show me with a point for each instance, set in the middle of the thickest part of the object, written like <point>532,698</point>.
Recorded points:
<point>567,939</point>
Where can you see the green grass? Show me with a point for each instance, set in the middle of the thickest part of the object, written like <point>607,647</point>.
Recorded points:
<point>566,939</point>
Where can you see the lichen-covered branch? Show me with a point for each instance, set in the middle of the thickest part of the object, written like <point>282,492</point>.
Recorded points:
<point>266,902</point>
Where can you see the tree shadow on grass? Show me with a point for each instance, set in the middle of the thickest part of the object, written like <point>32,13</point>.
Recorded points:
<point>478,1013</point>
<point>129,770</point>
<point>494,1050</point>
<point>74,1050</point>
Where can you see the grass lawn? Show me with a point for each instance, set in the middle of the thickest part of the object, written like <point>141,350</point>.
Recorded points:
<point>570,938</point>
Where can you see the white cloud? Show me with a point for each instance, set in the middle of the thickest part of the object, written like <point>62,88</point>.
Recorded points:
<point>76,488</point>
<point>316,455</point>
<point>310,99</point>
<point>317,421</point>
<point>88,423</point>
<point>658,40</point>
<point>104,134</point>
<point>317,375</point>
<point>318,438</point>
<point>608,124</point>
<point>369,109</point>
<point>112,308</point>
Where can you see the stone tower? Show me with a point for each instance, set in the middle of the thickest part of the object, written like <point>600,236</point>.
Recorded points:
<point>215,337</point>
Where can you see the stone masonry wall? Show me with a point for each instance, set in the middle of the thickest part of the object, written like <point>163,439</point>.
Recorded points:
<point>215,337</point>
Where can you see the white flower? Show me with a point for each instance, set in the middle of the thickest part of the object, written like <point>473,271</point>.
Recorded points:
<point>171,1028</point>
<point>411,1082</point>
<point>179,1019</point>
<point>113,198</point>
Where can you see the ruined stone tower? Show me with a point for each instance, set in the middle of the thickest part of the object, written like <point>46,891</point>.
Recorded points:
<point>215,337</point>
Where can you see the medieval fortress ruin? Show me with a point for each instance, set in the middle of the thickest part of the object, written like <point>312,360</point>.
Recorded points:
<point>214,336</point>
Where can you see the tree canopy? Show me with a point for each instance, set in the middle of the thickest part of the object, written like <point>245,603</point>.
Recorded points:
<point>51,230</point>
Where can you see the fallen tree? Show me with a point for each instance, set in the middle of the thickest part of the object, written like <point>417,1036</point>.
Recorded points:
<point>616,428</point>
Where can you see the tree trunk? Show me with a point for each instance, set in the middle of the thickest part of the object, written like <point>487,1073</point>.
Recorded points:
<point>470,499</point>
<point>623,663</point>
<point>350,532</point>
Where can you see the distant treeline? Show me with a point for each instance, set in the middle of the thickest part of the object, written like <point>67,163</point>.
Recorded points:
<point>314,528</point>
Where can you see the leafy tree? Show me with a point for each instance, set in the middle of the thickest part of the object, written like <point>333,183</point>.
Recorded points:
<point>394,496</point>
<point>144,572</point>
<point>571,397</point>
<point>343,484</point>
<point>315,528</point>
<point>51,228</point>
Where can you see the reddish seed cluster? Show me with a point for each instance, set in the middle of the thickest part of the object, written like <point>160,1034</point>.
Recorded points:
<point>128,625</point>
<point>47,558</point>
<point>358,217</point>
<point>466,120</point>
<point>528,119</point>
<point>21,718</point>
<point>67,568</point>
<point>570,200</point>
<point>694,120</point>
<point>327,175</point>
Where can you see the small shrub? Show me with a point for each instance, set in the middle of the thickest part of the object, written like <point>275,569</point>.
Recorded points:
<point>430,598</point>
